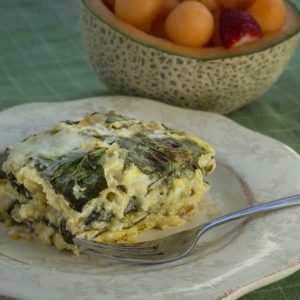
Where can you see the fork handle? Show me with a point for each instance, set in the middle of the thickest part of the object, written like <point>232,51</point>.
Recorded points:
<point>261,208</point>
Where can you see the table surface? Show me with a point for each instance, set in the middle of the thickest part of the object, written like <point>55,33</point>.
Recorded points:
<point>42,59</point>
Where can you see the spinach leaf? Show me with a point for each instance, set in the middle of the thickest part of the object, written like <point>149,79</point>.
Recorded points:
<point>122,188</point>
<point>3,157</point>
<point>65,233</point>
<point>20,188</point>
<point>185,152</point>
<point>48,223</point>
<point>68,122</point>
<point>101,216</point>
<point>112,117</point>
<point>131,207</point>
<point>12,206</point>
<point>162,156</point>
<point>145,155</point>
<point>78,177</point>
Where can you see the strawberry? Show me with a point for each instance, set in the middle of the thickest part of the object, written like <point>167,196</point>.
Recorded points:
<point>236,27</point>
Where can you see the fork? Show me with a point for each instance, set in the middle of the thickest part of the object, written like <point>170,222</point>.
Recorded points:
<point>178,245</point>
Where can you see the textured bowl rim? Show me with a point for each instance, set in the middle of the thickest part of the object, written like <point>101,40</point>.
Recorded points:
<point>155,43</point>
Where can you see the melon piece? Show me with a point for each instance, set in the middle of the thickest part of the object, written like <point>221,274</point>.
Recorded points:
<point>240,4</point>
<point>212,5</point>
<point>109,3</point>
<point>158,27</point>
<point>132,62</point>
<point>138,13</point>
<point>270,14</point>
<point>169,5</point>
<point>190,24</point>
<point>158,24</point>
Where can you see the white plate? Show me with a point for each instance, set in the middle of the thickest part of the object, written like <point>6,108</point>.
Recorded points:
<point>229,262</point>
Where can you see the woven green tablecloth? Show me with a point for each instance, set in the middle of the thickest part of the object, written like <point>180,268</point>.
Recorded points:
<point>42,59</point>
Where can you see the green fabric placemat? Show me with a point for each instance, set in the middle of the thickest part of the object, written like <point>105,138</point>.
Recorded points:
<point>42,58</point>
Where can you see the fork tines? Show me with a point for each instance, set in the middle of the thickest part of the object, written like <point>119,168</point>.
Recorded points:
<point>136,249</point>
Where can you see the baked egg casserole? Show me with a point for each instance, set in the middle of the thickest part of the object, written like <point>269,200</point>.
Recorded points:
<point>105,178</point>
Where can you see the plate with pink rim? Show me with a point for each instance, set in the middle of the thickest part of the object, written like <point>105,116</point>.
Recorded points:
<point>227,263</point>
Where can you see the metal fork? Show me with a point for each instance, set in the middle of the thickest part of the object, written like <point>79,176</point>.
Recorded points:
<point>178,245</point>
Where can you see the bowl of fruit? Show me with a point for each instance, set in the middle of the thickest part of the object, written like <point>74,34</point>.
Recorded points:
<point>214,55</point>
